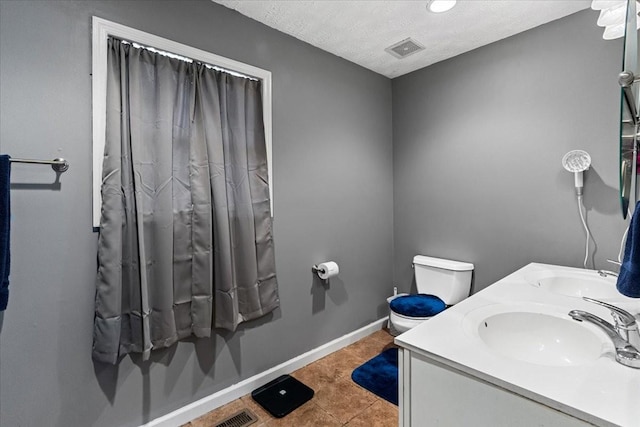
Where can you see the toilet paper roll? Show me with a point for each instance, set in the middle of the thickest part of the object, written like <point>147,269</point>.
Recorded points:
<point>327,270</point>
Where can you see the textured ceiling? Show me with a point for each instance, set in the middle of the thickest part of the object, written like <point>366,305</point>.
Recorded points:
<point>360,30</point>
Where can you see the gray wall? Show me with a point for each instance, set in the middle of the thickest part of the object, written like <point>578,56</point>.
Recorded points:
<point>478,142</point>
<point>475,175</point>
<point>333,200</point>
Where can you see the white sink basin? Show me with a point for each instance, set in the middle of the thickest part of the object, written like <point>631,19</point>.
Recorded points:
<point>529,335</point>
<point>587,283</point>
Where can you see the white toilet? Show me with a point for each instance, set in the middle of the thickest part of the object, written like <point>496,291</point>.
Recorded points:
<point>440,283</point>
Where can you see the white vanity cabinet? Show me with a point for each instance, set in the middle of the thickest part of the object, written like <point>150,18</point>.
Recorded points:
<point>449,375</point>
<point>434,394</point>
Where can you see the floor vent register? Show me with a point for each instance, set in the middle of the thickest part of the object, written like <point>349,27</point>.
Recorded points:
<point>240,419</point>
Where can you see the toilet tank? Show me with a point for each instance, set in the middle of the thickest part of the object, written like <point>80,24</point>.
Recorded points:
<point>449,280</point>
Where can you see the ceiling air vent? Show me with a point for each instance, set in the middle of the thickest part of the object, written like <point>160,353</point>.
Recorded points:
<point>404,48</point>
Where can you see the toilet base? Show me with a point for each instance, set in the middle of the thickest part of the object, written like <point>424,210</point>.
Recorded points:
<point>399,324</point>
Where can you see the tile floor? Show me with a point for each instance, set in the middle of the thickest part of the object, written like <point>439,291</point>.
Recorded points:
<point>338,401</point>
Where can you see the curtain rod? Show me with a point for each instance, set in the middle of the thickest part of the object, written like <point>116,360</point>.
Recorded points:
<point>58,165</point>
<point>186,59</point>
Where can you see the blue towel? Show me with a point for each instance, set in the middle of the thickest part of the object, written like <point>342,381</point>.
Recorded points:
<point>629,278</point>
<point>5,216</point>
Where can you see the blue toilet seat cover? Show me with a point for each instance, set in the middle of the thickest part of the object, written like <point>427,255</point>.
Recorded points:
<point>420,305</point>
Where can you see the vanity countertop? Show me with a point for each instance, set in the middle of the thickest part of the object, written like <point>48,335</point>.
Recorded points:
<point>602,391</point>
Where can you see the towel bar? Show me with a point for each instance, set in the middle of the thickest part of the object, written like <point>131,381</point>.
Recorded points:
<point>58,165</point>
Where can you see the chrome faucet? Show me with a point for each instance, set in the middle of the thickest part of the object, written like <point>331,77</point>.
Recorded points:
<point>625,323</point>
<point>606,273</point>
<point>626,354</point>
<point>625,334</point>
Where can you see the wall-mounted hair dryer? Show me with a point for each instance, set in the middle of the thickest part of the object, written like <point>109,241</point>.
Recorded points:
<point>577,161</point>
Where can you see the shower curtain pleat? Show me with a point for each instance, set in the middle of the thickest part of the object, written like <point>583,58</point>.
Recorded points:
<point>185,241</point>
<point>244,274</point>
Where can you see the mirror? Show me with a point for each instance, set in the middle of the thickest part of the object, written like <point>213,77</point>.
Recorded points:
<point>629,111</point>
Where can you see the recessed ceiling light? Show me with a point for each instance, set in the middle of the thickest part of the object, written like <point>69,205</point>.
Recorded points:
<point>439,6</point>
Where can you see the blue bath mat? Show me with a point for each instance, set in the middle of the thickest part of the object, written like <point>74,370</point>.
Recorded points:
<point>380,375</point>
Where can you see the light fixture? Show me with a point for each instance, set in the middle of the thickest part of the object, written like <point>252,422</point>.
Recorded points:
<point>612,17</point>
<point>439,6</point>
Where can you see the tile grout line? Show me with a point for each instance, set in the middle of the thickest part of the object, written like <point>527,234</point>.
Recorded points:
<point>362,412</point>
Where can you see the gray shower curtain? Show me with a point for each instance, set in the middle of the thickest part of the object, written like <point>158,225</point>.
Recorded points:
<point>185,239</point>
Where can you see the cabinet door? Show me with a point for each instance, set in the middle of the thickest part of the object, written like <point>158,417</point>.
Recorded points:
<point>439,396</point>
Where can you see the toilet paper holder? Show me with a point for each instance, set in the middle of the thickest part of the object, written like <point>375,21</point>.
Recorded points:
<point>326,270</point>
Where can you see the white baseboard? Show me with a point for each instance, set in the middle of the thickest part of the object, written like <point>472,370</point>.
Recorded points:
<point>209,403</point>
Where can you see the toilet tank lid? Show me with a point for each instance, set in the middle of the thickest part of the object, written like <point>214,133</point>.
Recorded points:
<point>446,264</point>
